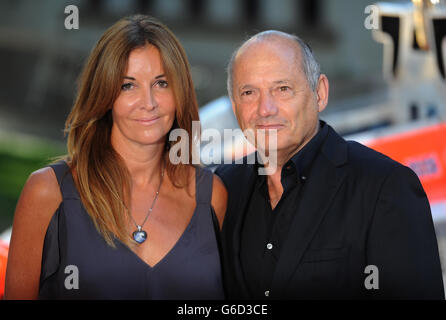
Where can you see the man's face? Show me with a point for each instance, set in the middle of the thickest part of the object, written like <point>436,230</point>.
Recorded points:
<point>270,91</point>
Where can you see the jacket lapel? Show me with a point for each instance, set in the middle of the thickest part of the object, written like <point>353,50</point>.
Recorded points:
<point>318,192</point>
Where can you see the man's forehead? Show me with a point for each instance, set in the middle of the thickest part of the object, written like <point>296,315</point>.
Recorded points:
<point>285,48</point>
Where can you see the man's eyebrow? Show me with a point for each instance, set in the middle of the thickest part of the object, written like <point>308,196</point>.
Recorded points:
<point>249,86</point>
<point>281,81</point>
<point>246,86</point>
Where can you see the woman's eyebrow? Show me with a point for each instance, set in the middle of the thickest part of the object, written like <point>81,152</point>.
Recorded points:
<point>157,77</point>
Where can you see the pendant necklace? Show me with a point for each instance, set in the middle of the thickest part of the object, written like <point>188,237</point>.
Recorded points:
<point>140,235</point>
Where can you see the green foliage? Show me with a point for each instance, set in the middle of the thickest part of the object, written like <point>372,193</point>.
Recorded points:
<point>19,156</point>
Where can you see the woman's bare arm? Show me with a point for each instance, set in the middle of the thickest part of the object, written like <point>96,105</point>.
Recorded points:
<point>38,201</point>
<point>219,199</point>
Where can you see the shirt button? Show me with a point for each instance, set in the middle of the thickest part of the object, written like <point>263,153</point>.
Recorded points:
<point>303,178</point>
<point>267,293</point>
<point>269,246</point>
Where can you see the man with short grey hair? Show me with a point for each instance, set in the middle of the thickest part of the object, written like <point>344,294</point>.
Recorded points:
<point>335,220</point>
<point>310,66</point>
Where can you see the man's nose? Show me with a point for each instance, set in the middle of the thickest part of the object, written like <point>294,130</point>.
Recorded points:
<point>267,106</point>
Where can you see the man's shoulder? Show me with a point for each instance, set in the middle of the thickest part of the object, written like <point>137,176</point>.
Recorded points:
<point>233,172</point>
<point>228,170</point>
<point>357,155</point>
<point>367,166</point>
<point>358,152</point>
<point>371,162</point>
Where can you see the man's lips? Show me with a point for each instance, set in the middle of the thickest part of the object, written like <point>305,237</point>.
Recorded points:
<point>270,126</point>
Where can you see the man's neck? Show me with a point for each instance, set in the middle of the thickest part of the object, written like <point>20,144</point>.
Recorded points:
<point>274,178</point>
<point>282,156</point>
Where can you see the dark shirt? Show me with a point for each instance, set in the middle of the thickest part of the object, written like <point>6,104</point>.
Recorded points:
<point>264,229</point>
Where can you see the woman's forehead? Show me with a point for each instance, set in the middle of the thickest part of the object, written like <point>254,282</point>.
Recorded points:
<point>145,59</point>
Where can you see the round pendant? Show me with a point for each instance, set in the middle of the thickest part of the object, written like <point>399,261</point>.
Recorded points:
<point>140,236</point>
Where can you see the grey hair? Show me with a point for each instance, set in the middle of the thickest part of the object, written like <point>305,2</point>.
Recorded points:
<point>310,66</point>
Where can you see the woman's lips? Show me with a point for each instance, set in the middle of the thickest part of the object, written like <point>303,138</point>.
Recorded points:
<point>147,121</point>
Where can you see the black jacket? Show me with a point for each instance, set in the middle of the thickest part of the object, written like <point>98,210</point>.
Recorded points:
<point>358,208</point>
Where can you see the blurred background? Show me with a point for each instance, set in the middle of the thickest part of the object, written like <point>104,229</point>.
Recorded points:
<point>373,97</point>
<point>40,60</point>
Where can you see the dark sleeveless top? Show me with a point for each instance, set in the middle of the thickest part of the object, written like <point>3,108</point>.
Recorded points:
<point>77,263</point>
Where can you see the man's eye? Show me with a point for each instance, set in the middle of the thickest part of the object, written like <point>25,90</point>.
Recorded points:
<point>247,93</point>
<point>284,88</point>
<point>127,86</point>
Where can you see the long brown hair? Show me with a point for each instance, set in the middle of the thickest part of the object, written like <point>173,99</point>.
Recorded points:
<point>102,178</point>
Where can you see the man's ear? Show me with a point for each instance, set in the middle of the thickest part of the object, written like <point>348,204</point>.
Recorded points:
<point>322,91</point>
<point>235,111</point>
<point>232,105</point>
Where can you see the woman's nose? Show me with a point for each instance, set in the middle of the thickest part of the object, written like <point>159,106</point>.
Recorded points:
<point>149,101</point>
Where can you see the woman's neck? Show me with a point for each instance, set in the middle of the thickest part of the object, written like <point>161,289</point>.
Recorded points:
<point>144,162</point>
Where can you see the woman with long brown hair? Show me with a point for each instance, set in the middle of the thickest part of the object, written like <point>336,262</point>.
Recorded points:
<point>115,219</point>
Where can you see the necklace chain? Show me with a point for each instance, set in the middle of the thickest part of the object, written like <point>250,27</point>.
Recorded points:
<point>153,204</point>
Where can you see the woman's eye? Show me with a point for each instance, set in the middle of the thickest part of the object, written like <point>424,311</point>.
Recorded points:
<point>162,84</point>
<point>127,86</point>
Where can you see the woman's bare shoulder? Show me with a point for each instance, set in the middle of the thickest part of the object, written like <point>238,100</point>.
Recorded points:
<point>41,193</point>
<point>44,183</point>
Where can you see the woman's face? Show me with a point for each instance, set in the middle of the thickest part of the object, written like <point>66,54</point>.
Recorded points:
<point>144,111</point>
